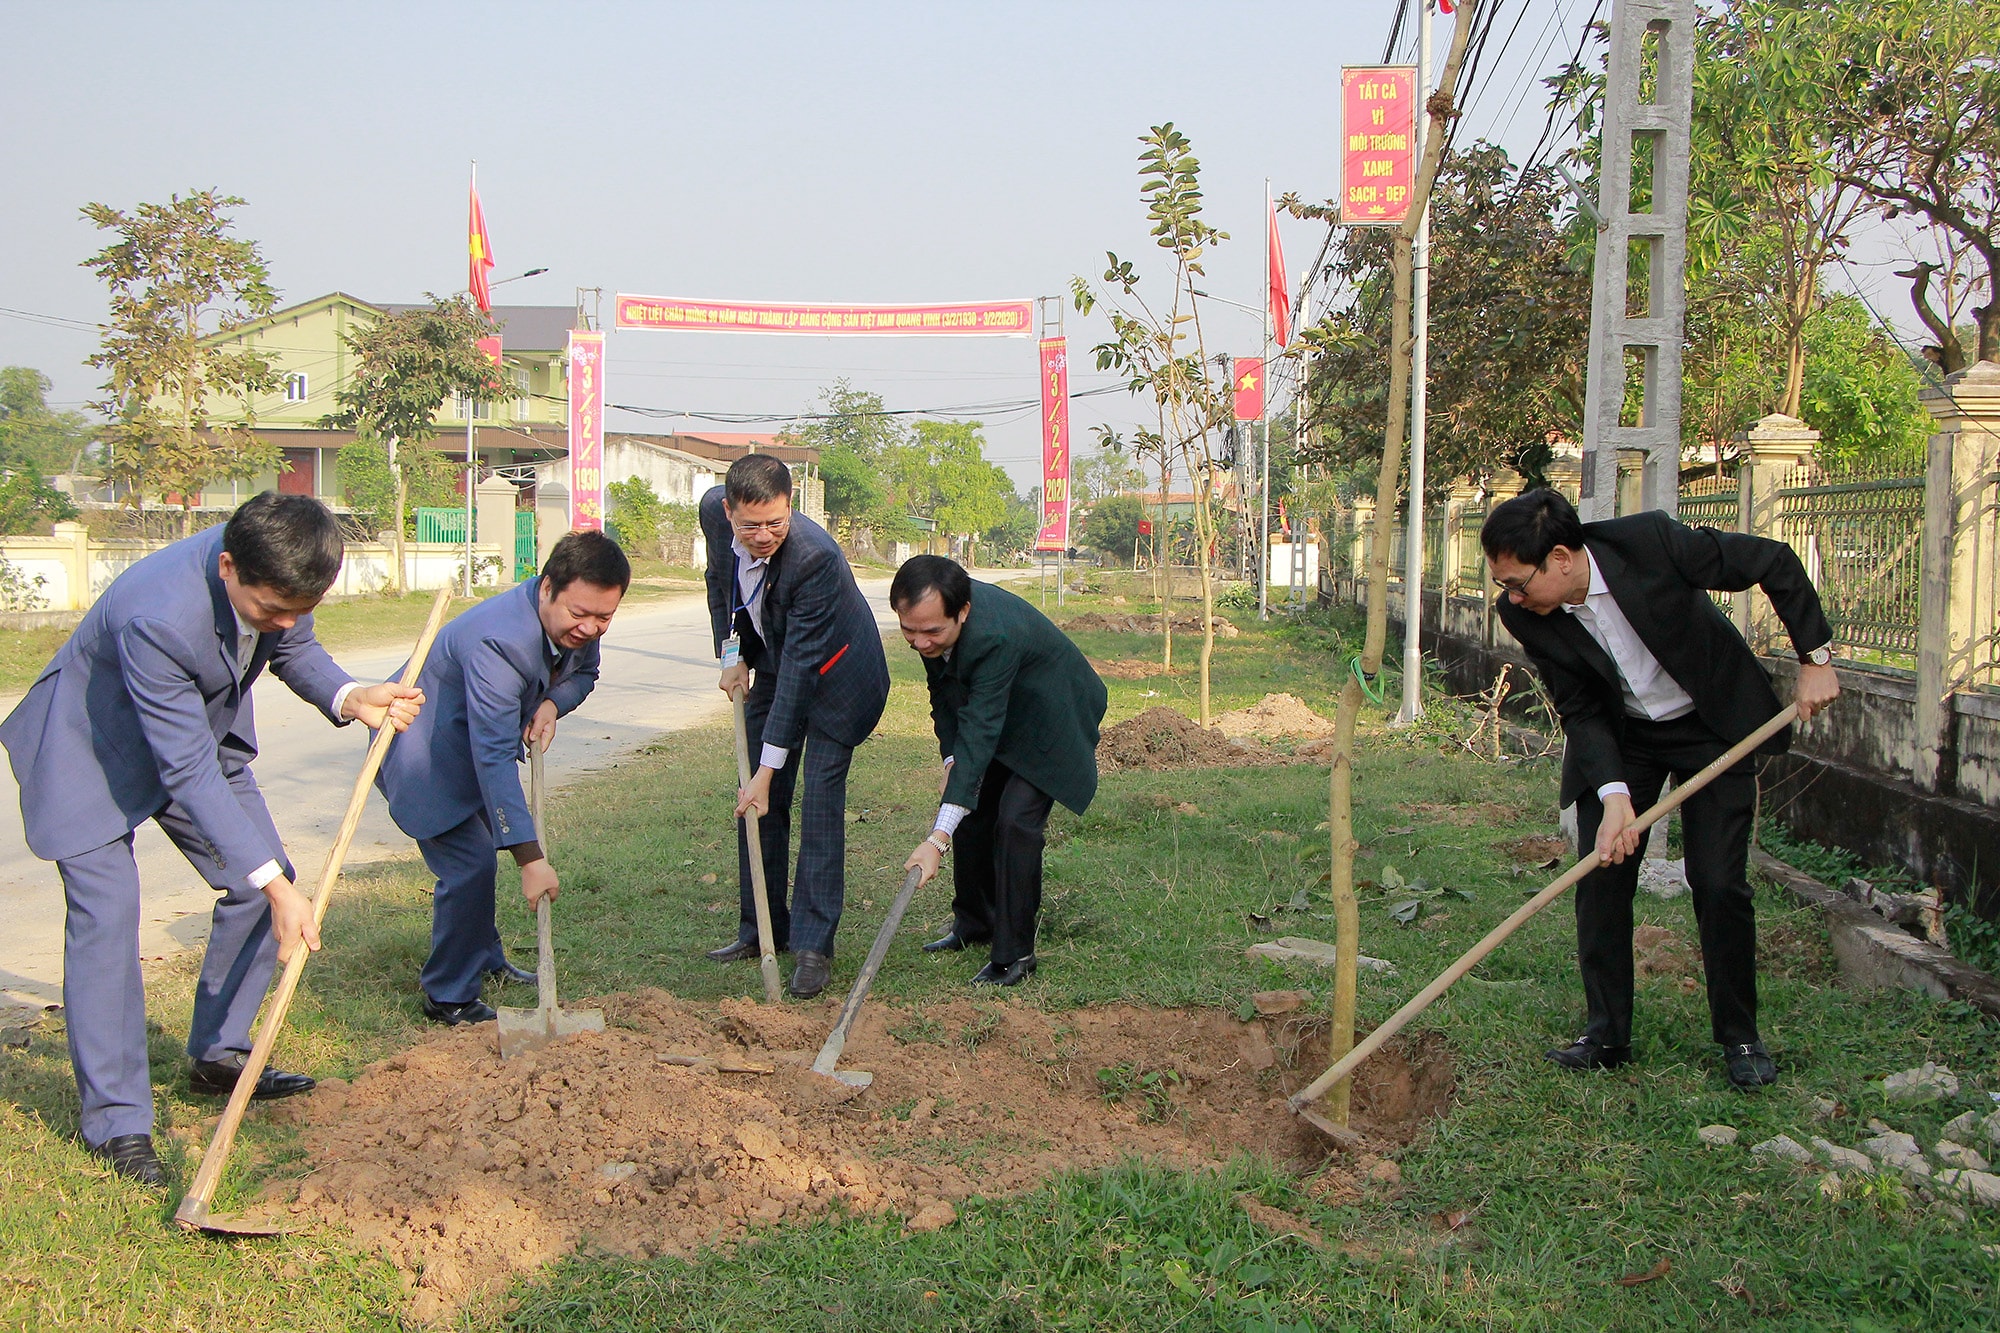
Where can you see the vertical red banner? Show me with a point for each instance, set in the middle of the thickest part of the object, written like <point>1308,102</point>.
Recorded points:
<point>1054,534</point>
<point>1249,388</point>
<point>1378,107</point>
<point>586,429</point>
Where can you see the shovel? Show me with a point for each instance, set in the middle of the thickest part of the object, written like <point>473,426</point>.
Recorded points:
<point>836,1041</point>
<point>193,1214</point>
<point>768,963</point>
<point>1301,1101</point>
<point>523,1030</point>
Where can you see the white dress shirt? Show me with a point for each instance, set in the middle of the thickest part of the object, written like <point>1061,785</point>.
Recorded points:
<point>752,573</point>
<point>1649,691</point>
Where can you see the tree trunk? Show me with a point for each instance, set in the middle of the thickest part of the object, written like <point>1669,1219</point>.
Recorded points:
<point>1340,794</point>
<point>397,579</point>
<point>1204,561</point>
<point>1163,569</point>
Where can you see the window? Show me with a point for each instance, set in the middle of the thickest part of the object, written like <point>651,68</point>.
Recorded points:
<point>295,388</point>
<point>481,409</point>
<point>524,404</point>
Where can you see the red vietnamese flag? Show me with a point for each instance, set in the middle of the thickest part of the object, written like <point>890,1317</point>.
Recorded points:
<point>1249,385</point>
<point>1446,6</point>
<point>479,251</point>
<point>1280,298</point>
<point>490,349</point>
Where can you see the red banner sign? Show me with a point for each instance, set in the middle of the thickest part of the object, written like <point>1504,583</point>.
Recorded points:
<point>990,319</point>
<point>586,429</point>
<point>1249,386</point>
<point>1054,534</point>
<point>1378,105</point>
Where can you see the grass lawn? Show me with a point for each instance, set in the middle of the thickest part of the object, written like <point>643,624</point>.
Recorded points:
<point>1521,1208</point>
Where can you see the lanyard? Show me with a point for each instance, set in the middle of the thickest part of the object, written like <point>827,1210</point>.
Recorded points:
<point>736,585</point>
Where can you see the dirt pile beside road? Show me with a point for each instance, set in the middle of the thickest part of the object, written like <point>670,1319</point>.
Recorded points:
<point>466,1171</point>
<point>1187,624</point>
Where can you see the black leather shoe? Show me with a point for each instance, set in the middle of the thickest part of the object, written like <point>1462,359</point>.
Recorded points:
<point>950,942</point>
<point>451,1015</point>
<point>132,1156</point>
<point>1007,974</point>
<point>1589,1053</point>
<point>737,952</point>
<point>508,972</point>
<point>809,975</point>
<point>217,1078</point>
<point>1750,1066</point>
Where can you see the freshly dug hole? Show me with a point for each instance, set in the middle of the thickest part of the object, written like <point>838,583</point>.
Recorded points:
<point>466,1171</point>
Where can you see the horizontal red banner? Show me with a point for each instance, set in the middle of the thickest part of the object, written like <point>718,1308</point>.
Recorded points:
<point>991,319</point>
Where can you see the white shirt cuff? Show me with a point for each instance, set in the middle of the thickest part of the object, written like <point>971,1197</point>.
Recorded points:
<point>948,819</point>
<point>773,757</point>
<point>339,701</point>
<point>265,873</point>
<point>1614,789</point>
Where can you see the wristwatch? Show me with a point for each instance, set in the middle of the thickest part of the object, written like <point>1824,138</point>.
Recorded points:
<point>1820,656</point>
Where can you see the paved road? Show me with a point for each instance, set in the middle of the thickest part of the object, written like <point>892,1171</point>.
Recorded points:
<point>659,675</point>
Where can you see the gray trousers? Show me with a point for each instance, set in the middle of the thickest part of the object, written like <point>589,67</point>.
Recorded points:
<point>104,999</point>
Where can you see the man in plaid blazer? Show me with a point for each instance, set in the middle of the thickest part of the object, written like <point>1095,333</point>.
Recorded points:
<point>784,606</point>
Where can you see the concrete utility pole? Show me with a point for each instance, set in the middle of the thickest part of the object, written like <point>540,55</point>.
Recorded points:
<point>1420,297</point>
<point>1635,336</point>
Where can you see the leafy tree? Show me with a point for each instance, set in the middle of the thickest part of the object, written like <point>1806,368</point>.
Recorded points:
<point>856,439</point>
<point>1111,525</point>
<point>1108,471</point>
<point>1860,391</point>
<point>406,365</point>
<point>1915,121</point>
<point>1510,320</point>
<point>969,494</point>
<point>29,504</point>
<point>33,437</point>
<point>851,485</point>
<point>177,276</point>
<point>1162,355</point>
<point>1016,532</point>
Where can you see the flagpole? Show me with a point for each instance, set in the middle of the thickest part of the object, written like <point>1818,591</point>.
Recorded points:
<point>1264,423</point>
<point>471,458</point>
<point>1420,266</point>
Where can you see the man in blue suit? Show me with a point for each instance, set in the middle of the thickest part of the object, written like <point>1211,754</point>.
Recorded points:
<point>499,675</point>
<point>145,714</point>
<point>784,604</point>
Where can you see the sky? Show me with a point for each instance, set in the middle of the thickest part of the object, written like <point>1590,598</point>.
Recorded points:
<point>847,152</point>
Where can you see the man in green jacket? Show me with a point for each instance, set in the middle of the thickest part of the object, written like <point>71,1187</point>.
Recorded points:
<point>1016,707</point>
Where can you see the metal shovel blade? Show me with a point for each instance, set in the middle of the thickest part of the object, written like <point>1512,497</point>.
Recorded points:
<point>524,1030</point>
<point>193,1215</point>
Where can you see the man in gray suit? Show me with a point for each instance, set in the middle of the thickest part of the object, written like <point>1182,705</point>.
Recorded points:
<point>145,714</point>
<point>499,675</point>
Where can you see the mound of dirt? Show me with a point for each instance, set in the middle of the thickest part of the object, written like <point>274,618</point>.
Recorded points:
<point>1162,738</point>
<point>1187,624</point>
<point>1129,669</point>
<point>1273,717</point>
<point>466,1171</point>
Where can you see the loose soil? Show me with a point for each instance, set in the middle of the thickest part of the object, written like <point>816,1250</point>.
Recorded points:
<point>1187,624</point>
<point>1129,669</point>
<point>467,1171</point>
<point>1275,717</point>
<point>1162,738</point>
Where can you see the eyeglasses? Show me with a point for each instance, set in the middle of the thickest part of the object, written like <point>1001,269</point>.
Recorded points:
<point>768,525</point>
<point>1519,586</point>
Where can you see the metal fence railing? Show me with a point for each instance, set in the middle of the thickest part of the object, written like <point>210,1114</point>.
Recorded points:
<point>1712,502</point>
<point>1861,541</point>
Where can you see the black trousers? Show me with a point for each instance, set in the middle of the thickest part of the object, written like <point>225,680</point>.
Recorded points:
<point>1715,825</point>
<point>997,864</point>
<point>818,771</point>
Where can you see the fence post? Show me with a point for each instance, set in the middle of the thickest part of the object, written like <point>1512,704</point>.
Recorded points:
<point>76,565</point>
<point>1767,454</point>
<point>1958,626</point>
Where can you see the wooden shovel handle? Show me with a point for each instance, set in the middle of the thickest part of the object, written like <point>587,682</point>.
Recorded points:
<point>545,944</point>
<point>768,961</point>
<point>193,1209</point>
<point>1374,1041</point>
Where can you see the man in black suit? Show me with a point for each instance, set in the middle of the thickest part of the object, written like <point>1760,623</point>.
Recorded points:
<point>1651,679</point>
<point>783,604</point>
<point>1016,707</point>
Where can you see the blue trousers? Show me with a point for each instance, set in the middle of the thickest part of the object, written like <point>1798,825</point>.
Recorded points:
<point>465,941</point>
<point>104,999</point>
<point>819,767</point>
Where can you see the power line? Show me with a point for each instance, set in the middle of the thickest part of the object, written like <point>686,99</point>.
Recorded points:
<point>56,321</point>
<point>1576,60</point>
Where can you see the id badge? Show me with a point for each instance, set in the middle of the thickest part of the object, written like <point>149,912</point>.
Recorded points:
<point>732,652</point>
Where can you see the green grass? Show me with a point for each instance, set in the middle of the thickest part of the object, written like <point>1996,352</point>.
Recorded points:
<point>1569,1183</point>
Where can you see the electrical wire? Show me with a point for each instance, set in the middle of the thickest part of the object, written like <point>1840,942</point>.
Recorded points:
<point>1582,40</point>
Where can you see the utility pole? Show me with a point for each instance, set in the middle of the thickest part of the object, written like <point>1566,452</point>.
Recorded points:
<point>1420,296</point>
<point>1264,436</point>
